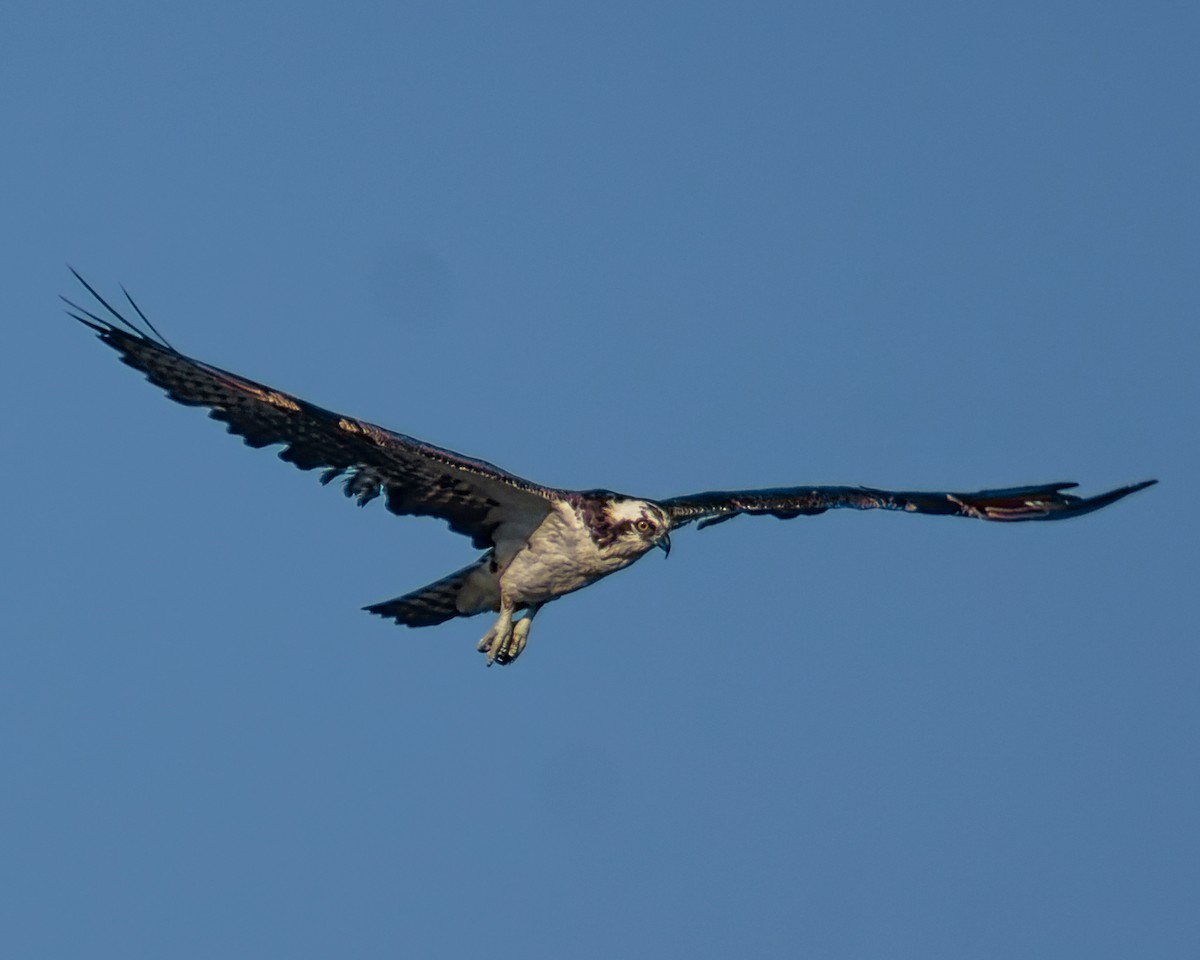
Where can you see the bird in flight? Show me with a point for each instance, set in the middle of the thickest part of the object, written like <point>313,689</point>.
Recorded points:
<point>539,543</point>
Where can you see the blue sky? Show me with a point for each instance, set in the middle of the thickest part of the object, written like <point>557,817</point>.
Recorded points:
<point>653,247</point>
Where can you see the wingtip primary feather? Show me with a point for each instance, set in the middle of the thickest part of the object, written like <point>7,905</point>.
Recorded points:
<point>107,325</point>
<point>145,319</point>
<point>92,324</point>
<point>1058,506</point>
<point>93,321</point>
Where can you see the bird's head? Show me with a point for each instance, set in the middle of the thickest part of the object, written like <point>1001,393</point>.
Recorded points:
<point>634,526</point>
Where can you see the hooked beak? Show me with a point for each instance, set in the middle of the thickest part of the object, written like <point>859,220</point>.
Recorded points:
<point>664,544</point>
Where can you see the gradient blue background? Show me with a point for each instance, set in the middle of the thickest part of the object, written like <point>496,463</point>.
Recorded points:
<point>659,248</point>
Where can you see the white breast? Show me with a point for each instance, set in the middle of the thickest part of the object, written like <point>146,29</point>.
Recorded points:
<point>559,556</point>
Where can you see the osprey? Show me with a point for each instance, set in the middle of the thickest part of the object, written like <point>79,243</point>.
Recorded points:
<point>539,542</point>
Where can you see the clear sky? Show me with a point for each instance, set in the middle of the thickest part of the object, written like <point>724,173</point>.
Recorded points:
<point>654,247</point>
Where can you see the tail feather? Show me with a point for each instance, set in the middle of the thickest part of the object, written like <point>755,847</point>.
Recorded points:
<point>432,604</point>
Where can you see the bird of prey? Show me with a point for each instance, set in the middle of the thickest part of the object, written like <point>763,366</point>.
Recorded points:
<point>539,543</point>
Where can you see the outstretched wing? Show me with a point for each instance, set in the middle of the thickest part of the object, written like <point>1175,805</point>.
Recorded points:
<point>1046,502</point>
<point>415,478</point>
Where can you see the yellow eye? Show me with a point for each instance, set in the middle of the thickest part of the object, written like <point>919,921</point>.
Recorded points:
<point>643,525</point>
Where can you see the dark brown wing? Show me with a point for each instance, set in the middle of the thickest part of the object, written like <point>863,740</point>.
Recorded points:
<point>1046,502</point>
<point>416,478</point>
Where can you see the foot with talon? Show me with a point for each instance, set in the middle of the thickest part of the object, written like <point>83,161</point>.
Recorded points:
<point>505,641</point>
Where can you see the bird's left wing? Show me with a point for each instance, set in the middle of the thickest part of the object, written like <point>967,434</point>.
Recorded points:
<point>415,478</point>
<point>1045,502</point>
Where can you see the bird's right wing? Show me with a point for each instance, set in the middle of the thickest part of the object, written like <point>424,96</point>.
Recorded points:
<point>474,497</point>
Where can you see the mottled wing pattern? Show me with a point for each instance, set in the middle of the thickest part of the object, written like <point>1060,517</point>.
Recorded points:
<point>414,478</point>
<point>1045,502</point>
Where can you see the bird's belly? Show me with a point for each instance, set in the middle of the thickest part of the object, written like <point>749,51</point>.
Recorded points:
<point>558,558</point>
<point>536,578</point>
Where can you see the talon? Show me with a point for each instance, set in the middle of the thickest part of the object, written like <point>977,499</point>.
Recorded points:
<point>497,652</point>
<point>504,642</point>
<point>495,641</point>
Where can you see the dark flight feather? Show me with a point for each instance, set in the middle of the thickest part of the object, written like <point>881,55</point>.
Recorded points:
<point>415,478</point>
<point>1044,502</point>
<point>475,497</point>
